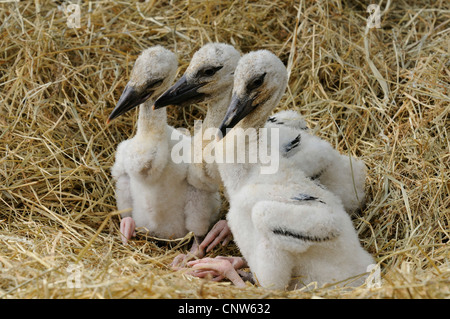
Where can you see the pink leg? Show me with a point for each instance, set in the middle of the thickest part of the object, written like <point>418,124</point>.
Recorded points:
<point>127,229</point>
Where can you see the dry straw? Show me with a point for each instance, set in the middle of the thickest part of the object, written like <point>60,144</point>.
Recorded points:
<point>381,94</point>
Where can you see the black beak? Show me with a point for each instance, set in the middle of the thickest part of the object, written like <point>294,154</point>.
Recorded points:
<point>129,99</point>
<point>181,93</point>
<point>238,109</point>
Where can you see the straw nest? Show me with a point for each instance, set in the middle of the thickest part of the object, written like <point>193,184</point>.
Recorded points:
<point>381,94</point>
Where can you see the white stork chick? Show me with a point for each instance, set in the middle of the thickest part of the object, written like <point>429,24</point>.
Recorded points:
<point>209,77</point>
<point>147,180</point>
<point>289,230</point>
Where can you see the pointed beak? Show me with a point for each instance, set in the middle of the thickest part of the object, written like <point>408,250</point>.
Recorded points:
<point>129,99</point>
<point>238,109</point>
<point>181,93</point>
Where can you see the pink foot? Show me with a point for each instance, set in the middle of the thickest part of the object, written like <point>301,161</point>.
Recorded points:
<point>219,233</point>
<point>219,268</point>
<point>195,253</point>
<point>127,229</point>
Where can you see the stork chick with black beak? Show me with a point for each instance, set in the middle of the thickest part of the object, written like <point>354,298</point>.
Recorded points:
<point>290,231</point>
<point>209,77</point>
<point>147,180</point>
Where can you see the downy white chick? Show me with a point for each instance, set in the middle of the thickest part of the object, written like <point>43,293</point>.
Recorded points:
<point>290,231</point>
<point>209,77</point>
<point>147,179</point>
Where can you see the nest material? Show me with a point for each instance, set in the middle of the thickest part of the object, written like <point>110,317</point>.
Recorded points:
<point>381,94</point>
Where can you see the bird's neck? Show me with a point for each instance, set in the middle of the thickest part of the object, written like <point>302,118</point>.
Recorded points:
<point>246,143</point>
<point>216,111</point>
<point>239,157</point>
<point>205,136</point>
<point>151,121</point>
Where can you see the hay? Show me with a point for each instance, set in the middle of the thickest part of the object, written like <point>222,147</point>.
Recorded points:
<point>381,94</point>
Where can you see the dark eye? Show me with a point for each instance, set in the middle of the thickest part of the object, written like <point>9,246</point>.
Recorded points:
<point>209,71</point>
<point>256,82</point>
<point>153,84</point>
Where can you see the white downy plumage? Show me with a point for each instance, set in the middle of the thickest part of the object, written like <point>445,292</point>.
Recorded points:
<point>290,231</point>
<point>147,179</point>
<point>209,77</point>
<point>342,175</point>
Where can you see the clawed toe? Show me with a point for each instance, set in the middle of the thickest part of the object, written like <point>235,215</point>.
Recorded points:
<point>218,268</point>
